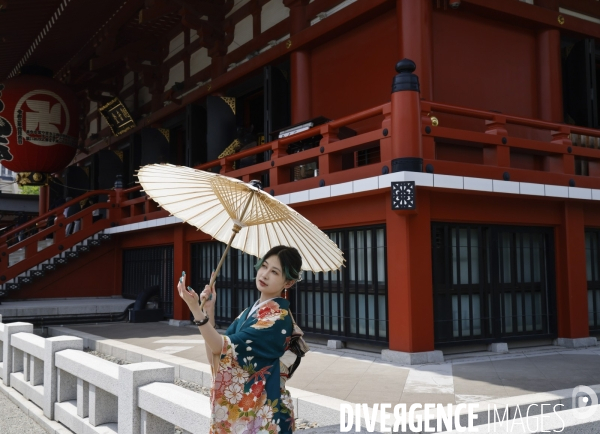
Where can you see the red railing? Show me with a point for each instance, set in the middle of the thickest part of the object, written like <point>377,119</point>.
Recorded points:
<point>505,138</point>
<point>491,136</point>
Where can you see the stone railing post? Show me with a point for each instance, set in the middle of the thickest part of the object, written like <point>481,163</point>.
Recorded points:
<point>54,345</point>
<point>407,149</point>
<point>7,349</point>
<point>131,377</point>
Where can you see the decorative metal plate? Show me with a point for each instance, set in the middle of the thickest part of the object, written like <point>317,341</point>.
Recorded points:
<point>403,195</point>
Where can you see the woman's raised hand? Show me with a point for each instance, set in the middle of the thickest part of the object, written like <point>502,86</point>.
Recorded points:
<point>210,294</point>
<point>186,293</point>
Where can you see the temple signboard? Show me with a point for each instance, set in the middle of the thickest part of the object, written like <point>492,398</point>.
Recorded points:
<point>117,116</point>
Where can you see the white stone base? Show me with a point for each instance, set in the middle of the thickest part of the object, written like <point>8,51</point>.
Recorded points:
<point>577,342</point>
<point>179,322</point>
<point>498,347</point>
<point>335,345</point>
<point>412,358</point>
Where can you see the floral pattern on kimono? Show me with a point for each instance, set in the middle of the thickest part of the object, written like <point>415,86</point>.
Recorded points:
<point>248,394</point>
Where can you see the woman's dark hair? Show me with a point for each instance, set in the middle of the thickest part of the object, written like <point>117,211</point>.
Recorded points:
<point>290,259</point>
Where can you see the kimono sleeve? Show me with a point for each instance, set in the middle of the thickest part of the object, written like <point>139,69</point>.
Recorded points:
<point>232,327</point>
<point>266,339</point>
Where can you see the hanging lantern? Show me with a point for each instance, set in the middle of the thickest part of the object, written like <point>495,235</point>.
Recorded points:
<point>38,127</point>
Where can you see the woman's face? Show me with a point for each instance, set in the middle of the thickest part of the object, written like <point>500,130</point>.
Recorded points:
<point>270,279</point>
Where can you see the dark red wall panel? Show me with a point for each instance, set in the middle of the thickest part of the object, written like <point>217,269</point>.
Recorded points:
<point>354,72</point>
<point>483,64</point>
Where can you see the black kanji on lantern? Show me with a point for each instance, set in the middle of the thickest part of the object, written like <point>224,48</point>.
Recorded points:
<point>403,195</point>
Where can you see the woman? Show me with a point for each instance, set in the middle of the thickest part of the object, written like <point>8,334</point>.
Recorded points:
<point>248,393</point>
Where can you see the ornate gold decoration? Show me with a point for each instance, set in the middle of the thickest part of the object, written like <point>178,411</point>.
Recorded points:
<point>561,19</point>
<point>117,116</point>
<point>288,44</point>
<point>230,102</point>
<point>32,178</point>
<point>23,178</point>
<point>86,169</point>
<point>119,154</point>
<point>434,121</point>
<point>209,87</point>
<point>165,132</point>
<point>260,140</point>
<point>231,149</point>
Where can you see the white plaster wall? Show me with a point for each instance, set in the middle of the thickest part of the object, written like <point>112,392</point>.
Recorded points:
<point>176,45</point>
<point>128,80</point>
<point>242,33</point>
<point>144,96</point>
<point>128,102</point>
<point>103,123</point>
<point>93,107</point>
<point>272,13</point>
<point>236,5</point>
<point>93,127</point>
<point>176,73</point>
<point>199,60</point>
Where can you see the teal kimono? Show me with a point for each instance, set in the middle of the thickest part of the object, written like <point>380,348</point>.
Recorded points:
<point>248,395</point>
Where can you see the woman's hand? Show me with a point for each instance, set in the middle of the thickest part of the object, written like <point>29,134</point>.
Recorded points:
<point>210,294</point>
<point>188,295</point>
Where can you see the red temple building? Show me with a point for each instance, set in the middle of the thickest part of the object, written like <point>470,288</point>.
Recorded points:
<point>449,147</point>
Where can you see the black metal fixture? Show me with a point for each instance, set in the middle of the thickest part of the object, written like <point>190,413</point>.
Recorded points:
<point>403,195</point>
<point>506,176</point>
<point>571,183</point>
<point>429,168</point>
<point>322,183</point>
<point>385,170</point>
<point>119,181</point>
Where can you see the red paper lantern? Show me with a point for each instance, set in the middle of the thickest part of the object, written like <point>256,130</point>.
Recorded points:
<point>39,124</point>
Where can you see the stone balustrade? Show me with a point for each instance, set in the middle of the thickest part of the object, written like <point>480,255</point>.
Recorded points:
<point>87,394</point>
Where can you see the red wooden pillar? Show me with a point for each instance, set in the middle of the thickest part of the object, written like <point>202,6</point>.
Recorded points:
<point>299,64</point>
<point>571,278</point>
<point>410,290</point>
<point>414,25</point>
<point>43,199</point>
<point>181,262</point>
<point>407,149</point>
<point>550,99</point>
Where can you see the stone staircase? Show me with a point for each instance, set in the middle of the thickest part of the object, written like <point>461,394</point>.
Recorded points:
<point>51,264</point>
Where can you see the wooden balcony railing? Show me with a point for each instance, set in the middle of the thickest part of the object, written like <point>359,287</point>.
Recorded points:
<point>559,154</point>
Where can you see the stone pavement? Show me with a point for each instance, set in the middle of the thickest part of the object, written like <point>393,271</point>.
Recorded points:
<point>14,421</point>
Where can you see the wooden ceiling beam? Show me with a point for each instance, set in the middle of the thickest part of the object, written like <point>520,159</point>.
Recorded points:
<point>158,9</point>
<point>122,17</point>
<point>120,53</point>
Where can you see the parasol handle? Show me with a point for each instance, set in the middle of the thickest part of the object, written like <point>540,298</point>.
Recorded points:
<point>235,230</point>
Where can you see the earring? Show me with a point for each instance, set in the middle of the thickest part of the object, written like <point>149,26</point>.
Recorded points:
<point>285,293</point>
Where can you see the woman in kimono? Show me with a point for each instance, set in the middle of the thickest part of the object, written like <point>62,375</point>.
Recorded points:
<point>248,394</point>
